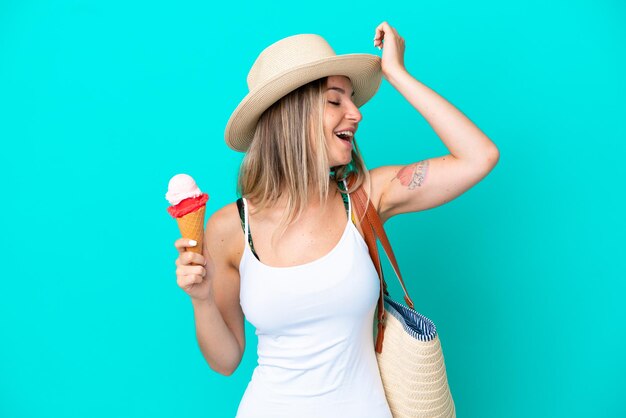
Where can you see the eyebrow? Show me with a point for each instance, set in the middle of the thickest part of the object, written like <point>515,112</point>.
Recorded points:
<point>339,89</point>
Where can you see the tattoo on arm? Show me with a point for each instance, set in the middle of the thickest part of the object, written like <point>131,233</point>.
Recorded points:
<point>413,175</point>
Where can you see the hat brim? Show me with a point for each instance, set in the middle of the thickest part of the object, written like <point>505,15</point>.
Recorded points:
<point>363,70</point>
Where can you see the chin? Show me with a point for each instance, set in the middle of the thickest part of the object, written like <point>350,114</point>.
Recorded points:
<point>337,162</point>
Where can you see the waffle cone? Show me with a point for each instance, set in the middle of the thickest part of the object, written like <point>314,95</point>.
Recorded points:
<point>192,227</point>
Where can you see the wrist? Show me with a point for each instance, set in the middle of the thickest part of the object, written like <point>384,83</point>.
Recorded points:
<point>202,303</point>
<point>394,74</point>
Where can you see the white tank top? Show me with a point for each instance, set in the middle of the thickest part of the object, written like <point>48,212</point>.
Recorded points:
<point>314,324</point>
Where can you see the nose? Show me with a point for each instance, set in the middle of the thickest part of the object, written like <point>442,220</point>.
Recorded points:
<point>353,112</point>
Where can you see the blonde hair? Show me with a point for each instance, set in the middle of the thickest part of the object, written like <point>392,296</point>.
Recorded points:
<point>289,153</point>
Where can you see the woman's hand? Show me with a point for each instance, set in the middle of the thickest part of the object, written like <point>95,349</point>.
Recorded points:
<point>393,48</point>
<point>191,272</point>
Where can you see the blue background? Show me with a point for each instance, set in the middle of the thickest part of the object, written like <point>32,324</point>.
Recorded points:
<point>102,102</point>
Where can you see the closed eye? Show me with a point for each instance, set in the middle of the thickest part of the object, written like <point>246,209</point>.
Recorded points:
<point>335,103</point>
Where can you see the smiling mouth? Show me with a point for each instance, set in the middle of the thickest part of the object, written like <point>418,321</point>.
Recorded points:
<point>344,137</point>
<point>347,141</point>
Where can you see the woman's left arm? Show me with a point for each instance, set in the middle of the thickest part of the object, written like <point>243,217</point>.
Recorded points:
<point>435,181</point>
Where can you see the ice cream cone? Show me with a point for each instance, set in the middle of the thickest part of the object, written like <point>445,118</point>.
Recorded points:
<point>188,205</point>
<point>192,227</point>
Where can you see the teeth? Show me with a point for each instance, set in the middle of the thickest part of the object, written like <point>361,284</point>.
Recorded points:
<point>344,133</point>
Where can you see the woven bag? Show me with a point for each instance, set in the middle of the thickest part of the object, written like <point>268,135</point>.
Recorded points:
<point>411,365</point>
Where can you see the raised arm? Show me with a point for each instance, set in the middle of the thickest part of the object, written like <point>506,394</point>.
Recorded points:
<point>430,182</point>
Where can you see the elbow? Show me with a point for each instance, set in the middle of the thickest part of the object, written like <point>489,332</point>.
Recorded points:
<point>227,369</point>
<point>494,156</point>
<point>484,159</point>
<point>228,372</point>
<point>224,371</point>
<point>491,157</point>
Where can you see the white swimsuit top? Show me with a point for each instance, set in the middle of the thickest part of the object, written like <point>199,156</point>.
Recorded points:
<point>315,329</point>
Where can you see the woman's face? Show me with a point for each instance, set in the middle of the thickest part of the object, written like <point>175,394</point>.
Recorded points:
<point>341,118</point>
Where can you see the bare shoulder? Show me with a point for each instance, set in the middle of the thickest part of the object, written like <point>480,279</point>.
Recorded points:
<point>223,233</point>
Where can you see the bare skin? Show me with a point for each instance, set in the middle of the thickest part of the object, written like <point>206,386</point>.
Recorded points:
<point>306,240</point>
<point>413,175</point>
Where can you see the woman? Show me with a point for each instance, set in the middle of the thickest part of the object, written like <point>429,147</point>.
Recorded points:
<point>306,281</point>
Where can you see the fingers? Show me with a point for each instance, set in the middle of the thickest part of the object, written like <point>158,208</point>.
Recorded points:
<point>188,257</point>
<point>190,267</point>
<point>198,271</point>
<point>182,244</point>
<point>384,30</point>
<point>187,281</point>
<point>379,34</point>
<point>386,27</point>
<point>187,275</point>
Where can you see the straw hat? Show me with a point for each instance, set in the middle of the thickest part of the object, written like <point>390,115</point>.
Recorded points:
<point>291,63</point>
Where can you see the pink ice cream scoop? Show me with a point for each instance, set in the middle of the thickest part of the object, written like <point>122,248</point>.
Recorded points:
<point>180,187</point>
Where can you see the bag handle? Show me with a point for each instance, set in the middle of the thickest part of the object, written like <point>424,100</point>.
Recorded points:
<point>373,229</point>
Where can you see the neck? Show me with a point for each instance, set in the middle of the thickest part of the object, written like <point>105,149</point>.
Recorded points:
<point>314,201</point>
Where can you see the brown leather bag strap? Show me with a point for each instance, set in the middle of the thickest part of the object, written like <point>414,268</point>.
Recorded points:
<point>376,224</point>
<point>382,236</point>
<point>371,229</point>
<point>370,239</point>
